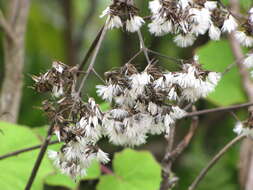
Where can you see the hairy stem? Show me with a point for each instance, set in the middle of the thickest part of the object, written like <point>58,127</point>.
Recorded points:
<point>15,153</point>
<point>93,59</point>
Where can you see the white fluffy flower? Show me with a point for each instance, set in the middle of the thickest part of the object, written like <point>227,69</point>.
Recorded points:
<point>168,121</point>
<point>58,67</point>
<point>238,129</point>
<point>152,108</point>
<point>167,27</point>
<point>58,134</point>
<point>190,94</point>
<point>138,82</point>
<point>213,78</point>
<point>211,5</point>
<point>115,131</point>
<point>251,15</point>
<point>53,155</point>
<point>58,91</point>
<point>155,6</point>
<point>184,3</point>
<point>141,79</point>
<point>102,156</point>
<point>108,92</point>
<point>229,24</point>
<point>251,10</point>
<point>114,22</point>
<point>159,26</point>
<point>118,113</point>
<point>134,23</point>
<point>93,130</point>
<point>248,61</point>
<point>132,131</point>
<point>177,113</point>
<point>214,32</point>
<point>244,39</point>
<point>195,88</point>
<point>105,12</point>
<point>156,29</point>
<point>157,126</point>
<point>75,157</point>
<point>202,20</point>
<point>187,79</point>
<point>172,95</point>
<point>184,40</point>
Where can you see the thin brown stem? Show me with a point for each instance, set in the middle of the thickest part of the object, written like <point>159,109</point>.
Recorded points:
<point>170,155</point>
<point>166,166</point>
<point>143,47</point>
<point>39,158</point>
<point>135,56</point>
<point>215,159</point>
<point>91,49</point>
<point>221,109</point>
<point>180,61</point>
<point>185,142</point>
<point>98,76</point>
<point>93,59</point>
<point>15,153</point>
<point>246,154</point>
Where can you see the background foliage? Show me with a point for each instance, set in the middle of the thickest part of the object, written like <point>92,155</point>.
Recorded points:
<point>132,170</point>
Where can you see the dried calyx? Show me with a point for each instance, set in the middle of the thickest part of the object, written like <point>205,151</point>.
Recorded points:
<point>123,14</point>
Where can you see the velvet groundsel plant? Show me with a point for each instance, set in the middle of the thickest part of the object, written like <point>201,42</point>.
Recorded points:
<point>143,102</point>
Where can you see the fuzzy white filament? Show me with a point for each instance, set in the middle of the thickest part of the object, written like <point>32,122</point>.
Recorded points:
<point>229,24</point>
<point>134,23</point>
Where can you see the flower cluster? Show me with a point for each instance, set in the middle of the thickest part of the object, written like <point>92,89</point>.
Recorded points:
<point>76,123</point>
<point>121,14</point>
<point>245,33</point>
<point>143,103</point>
<point>190,18</point>
<point>148,102</point>
<point>187,19</point>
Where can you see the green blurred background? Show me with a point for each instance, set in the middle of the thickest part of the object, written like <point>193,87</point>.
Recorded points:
<point>50,25</point>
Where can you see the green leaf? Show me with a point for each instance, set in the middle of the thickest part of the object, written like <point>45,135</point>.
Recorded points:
<point>58,179</point>
<point>105,106</point>
<point>132,171</point>
<point>17,169</point>
<point>216,56</point>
